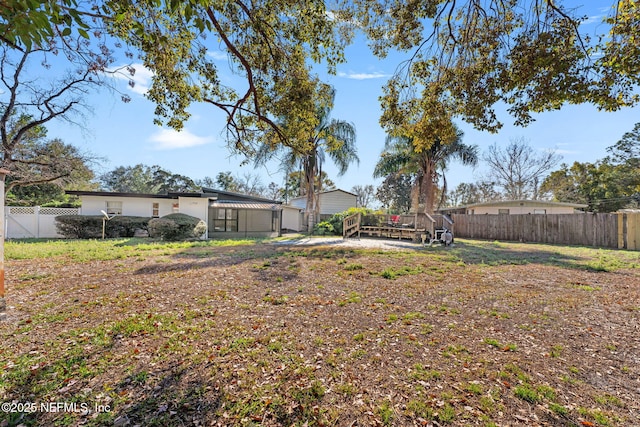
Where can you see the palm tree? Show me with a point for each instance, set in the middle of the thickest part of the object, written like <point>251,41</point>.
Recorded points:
<point>330,137</point>
<point>426,166</point>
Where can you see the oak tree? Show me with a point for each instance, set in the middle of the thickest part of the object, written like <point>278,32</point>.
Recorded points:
<point>465,58</point>
<point>269,45</point>
<point>33,159</point>
<point>146,180</point>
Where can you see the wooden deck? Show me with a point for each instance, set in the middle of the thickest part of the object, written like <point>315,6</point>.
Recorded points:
<point>414,227</point>
<point>391,232</point>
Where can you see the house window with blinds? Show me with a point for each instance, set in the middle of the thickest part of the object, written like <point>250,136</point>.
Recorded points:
<point>113,208</point>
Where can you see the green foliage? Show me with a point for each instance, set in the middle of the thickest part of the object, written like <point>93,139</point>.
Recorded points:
<point>385,412</point>
<point>324,228</point>
<point>92,250</point>
<point>270,44</point>
<point>424,158</point>
<point>603,186</point>
<point>469,56</point>
<point>79,226</point>
<point>324,136</point>
<point>334,224</point>
<point>145,179</point>
<point>26,24</point>
<point>90,226</point>
<point>392,273</point>
<point>39,168</point>
<point>395,193</point>
<point>126,226</point>
<point>176,226</point>
<point>527,393</point>
<point>294,186</point>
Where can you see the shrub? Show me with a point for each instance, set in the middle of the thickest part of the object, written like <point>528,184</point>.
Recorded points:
<point>369,217</point>
<point>126,226</point>
<point>176,226</point>
<point>90,226</point>
<point>323,228</point>
<point>79,226</point>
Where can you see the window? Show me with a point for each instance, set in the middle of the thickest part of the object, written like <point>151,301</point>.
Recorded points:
<point>155,210</point>
<point>225,219</point>
<point>175,207</point>
<point>114,208</point>
<point>503,211</point>
<point>540,211</point>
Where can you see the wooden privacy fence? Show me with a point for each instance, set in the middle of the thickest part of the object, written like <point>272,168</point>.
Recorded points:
<point>606,230</point>
<point>629,231</point>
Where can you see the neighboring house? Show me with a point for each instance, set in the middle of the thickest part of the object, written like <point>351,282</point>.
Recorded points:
<point>331,202</point>
<point>519,207</point>
<point>226,214</point>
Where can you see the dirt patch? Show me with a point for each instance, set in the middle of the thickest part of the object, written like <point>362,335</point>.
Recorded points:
<point>363,243</point>
<point>327,333</point>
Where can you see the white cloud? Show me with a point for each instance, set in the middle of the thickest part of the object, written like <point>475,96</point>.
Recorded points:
<point>169,139</point>
<point>363,76</point>
<point>141,78</point>
<point>218,55</point>
<point>593,19</point>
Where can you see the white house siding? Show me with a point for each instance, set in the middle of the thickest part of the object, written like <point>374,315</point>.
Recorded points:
<point>520,208</point>
<point>331,202</point>
<point>298,202</point>
<point>291,218</point>
<point>131,206</point>
<point>197,207</point>
<point>251,221</point>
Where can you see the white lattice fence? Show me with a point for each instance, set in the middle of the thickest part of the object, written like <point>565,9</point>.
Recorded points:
<point>33,221</point>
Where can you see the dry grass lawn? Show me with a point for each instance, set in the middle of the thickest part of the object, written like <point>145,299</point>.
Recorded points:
<point>259,334</point>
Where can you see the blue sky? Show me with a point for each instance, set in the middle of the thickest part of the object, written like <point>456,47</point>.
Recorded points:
<point>124,134</point>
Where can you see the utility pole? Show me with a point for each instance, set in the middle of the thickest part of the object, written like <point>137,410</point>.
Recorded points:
<point>3,304</point>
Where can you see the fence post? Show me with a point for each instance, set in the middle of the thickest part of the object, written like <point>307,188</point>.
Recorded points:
<point>621,234</point>
<point>36,211</point>
<point>3,304</point>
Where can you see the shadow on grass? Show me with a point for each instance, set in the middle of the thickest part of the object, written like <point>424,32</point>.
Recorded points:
<point>573,257</point>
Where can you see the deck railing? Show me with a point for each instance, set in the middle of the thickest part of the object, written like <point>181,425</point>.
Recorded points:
<point>351,225</point>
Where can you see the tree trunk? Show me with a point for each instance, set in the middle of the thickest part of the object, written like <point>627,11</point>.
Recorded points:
<point>310,212</point>
<point>428,187</point>
<point>416,191</point>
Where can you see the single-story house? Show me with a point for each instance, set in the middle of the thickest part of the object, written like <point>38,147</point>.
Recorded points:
<point>331,202</point>
<point>520,207</point>
<point>226,214</point>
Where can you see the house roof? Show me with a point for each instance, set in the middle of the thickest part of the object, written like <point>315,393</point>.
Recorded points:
<point>208,192</point>
<point>525,203</point>
<point>205,193</point>
<point>326,192</point>
<point>245,205</point>
<point>122,194</point>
